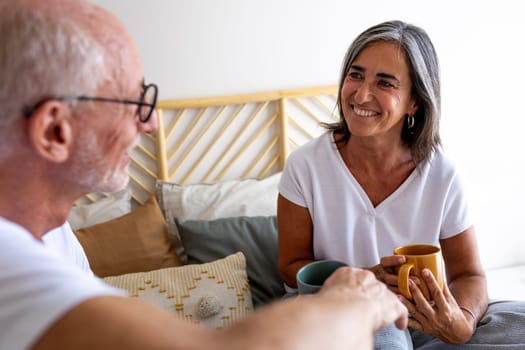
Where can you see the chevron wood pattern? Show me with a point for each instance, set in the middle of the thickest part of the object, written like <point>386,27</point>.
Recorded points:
<point>233,137</point>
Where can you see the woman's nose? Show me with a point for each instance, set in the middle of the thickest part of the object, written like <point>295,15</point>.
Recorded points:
<point>363,93</point>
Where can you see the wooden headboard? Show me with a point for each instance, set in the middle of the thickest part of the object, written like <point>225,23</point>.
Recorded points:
<point>232,137</point>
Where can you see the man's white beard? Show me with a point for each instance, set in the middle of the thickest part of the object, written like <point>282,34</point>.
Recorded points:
<point>90,169</point>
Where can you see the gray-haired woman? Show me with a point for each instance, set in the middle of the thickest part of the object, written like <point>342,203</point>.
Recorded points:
<point>378,179</point>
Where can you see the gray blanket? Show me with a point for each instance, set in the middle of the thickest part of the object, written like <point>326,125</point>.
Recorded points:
<point>502,327</point>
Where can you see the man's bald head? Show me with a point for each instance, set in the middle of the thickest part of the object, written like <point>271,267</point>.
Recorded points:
<point>53,48</point>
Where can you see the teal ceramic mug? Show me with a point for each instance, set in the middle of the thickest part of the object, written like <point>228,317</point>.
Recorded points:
<point>310,277</point>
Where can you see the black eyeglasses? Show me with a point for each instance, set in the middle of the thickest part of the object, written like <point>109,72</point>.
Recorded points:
<point>145,105</point>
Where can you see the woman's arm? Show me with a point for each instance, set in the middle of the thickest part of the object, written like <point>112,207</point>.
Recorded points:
<point>465,275</point>
<point>295,239</point>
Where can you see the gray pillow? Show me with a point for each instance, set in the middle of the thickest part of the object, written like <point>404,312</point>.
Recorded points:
<point>255,236</point>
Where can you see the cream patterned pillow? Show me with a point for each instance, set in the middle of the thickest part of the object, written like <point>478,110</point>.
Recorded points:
<point>214,294</point>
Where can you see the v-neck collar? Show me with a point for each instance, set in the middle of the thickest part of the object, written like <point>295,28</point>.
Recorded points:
<point>364,197</point>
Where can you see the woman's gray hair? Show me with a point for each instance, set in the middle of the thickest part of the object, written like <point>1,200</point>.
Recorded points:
<point>43,54</point>
<point>423,68</point>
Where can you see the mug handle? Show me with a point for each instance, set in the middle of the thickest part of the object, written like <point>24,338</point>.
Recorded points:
<point>402,279</point>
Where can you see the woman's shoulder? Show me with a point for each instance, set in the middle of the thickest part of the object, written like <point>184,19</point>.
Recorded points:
<point>441,164</point>
<point>318,145</point>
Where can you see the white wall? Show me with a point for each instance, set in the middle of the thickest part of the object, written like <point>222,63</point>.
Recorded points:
<point>196,48</point>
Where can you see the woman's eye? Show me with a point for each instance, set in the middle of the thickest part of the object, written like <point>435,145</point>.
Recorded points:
<point>386,84</point>
<point>354,75</point>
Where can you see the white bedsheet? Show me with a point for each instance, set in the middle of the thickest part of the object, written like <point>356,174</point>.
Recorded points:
<point>507,283</point>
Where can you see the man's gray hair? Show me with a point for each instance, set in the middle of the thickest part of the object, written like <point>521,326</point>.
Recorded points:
<point>42,54</point>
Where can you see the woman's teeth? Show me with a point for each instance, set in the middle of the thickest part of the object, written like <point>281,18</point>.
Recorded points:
<point>363,113</point>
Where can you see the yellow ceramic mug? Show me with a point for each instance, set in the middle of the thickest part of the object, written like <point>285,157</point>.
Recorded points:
<point>419,257</point>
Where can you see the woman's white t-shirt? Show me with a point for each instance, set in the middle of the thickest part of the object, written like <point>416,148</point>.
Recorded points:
<point>430,205</point>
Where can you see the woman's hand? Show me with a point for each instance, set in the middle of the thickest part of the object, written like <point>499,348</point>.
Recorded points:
<point>386,271</point>
<point>444,320</point>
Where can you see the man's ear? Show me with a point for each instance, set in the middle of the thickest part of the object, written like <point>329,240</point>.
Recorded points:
<point>50,131</point>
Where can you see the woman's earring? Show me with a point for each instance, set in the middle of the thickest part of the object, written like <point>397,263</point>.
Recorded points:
<point>410,121</point>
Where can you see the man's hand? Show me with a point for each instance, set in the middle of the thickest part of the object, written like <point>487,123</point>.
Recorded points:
<point>359,286</point>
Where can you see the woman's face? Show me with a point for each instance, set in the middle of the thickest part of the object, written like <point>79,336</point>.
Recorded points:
<point>376,93</point>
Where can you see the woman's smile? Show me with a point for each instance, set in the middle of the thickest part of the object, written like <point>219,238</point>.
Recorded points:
<point>363,112</point>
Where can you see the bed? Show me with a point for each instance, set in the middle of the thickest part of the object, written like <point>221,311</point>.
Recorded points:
<point>195,231</point>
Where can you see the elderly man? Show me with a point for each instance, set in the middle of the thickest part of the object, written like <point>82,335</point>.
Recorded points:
<point>73,101</point>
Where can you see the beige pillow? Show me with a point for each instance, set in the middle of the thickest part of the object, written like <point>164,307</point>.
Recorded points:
<point>135,242</point>
<point>214,294</point>
<point>231,198</point>
<point>104,209</point>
